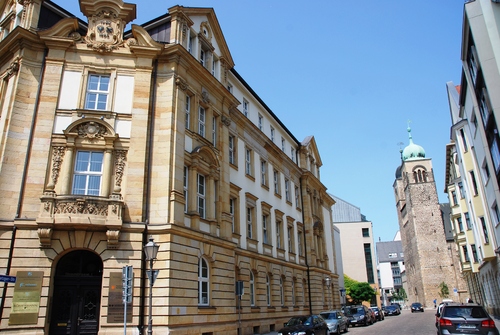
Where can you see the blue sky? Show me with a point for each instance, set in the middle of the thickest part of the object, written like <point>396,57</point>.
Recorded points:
<point>351,73</point>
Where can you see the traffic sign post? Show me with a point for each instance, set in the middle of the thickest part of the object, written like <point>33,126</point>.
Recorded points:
<point>127,276</point>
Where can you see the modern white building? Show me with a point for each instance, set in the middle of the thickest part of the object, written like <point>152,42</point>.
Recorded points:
<point>390,258</point>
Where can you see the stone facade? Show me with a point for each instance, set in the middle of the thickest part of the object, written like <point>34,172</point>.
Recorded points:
<point>429,258</point>
<point>110,137</point>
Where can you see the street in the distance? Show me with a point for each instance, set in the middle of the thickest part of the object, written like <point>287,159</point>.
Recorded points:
<point>407,323</point>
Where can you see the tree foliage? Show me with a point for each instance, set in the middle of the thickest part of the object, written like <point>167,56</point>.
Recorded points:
<point>444,291</point>
<point>356,291</point>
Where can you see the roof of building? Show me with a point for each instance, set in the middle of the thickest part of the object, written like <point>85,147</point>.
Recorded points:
<point>391,251</point>
<point>413,151</point>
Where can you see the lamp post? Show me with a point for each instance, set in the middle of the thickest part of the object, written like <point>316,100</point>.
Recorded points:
<point>151,250</point>
<point>328,280</point>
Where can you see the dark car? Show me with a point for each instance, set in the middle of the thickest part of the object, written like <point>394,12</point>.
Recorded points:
<point>392,310</point>
<point>359,315</point>
<point>417,307</point>
<point>336,321</point>
<point>463,319</point>
<point>307,324</point>
<point>379,314</point>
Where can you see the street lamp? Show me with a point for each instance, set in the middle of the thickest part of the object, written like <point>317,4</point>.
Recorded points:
<point>151,250</point>
<point>328,280</point>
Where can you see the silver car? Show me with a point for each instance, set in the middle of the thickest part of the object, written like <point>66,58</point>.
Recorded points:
<point>336,321</point>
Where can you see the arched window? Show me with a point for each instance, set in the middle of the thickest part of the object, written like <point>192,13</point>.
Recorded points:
<point>268,291</point>
<point>282,293</point>
<point>203,282</point>
<point>252,289</point>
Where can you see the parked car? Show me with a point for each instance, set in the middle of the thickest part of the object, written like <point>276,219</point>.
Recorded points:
<point>359,315</point>
<point>392,310</point>
<point>440,308</point>
<point>456,318</point>
<point>417,307</point>
<point>307,325</point>
<point>336,321</point>
<point>379,314</point>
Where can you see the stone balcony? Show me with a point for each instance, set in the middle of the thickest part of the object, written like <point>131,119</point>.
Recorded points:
<point>80,212</point>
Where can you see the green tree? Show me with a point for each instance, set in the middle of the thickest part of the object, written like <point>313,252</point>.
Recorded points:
<point>444,291</point>
<point>400,295</point>
<point>361,292</point>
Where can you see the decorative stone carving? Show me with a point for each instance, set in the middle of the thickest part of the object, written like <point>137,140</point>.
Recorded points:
<point>181,83</point>
<point>113,238</point>
<point>226,121</point>
<point>81,207</point>
<point>57,159</point>
<point>13,67</point>
<point>105,32</point>
<point>92,130</point>
<point>120,159</point>
<point>75,36</point>
<point>205,97</point>
<point>45,236</point>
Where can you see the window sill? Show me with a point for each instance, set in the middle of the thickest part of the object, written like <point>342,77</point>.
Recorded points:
<point>252,178</point>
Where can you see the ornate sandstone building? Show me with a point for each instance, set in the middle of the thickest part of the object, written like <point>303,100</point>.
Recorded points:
<point>109,137</point>
<point>430,258</point>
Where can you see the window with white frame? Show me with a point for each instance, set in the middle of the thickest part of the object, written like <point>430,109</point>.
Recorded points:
<point>201,196</point>
<point>246,107</point>
<point>486,172</point>
<point>472,62</point>
<point>87,177</point>
<point>279,234</point>
<point>474,182</point>
<point>232,203</point>
<point>201,121</point>
<point>185,184</point>
<point>299,242</point>
<point>232,150</point>
<point>272,133</point>
<point>297,198</point>
<point>263,173</point>
<point>485,230</point>
<point>288,197</point>
<point>496,212</point>
<point>265,232</point>
<point>290,238</point>
<point>282,144</point>
<point>252,289</point>
<point>188,111</point>
<point>261,121</point>
<point>97,92</point>
<point>292,154</point>
<point>276,181</point>
<point>248,162</point>
<point>203,282</point>
<point>249,222</point>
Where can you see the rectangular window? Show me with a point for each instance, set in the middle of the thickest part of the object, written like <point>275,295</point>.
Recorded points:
<point>263,172</point>
<point>214,131</point>
<point>261,122</point>
<point>248,162</point>
<point>201,196</point>
<point>264,229</point>
<point>246,107</point>
<point>276,180</point>
<point>282,144</point>
<point>472,63</point>
<point>486,172</point>
<point>290,238</point>
<point>467,221</point>
<point>369,263</point>
<point>272,134</point>
<point>297,198</point>
<point>202,57</point>
<point>88,173</point>
<point>185,184</point>
<point>365,232</point>
<point>231,150</point>
<point>249,222</point>
<point>497,213</point>
<point>460,225</point>
<point>485,230</point>
<point>97,92</point>
<point>188,110</point>
<point>484,106</point>
<point>231,211</point>
<point>288,197</point>
<point>495,154</point>
<point>461,189</point>
<point>292,154</point>
<point>279,234</point>
<point>201,121</point>
<point>454,197</point>
<point>474,253</point>
<point>299,242</point>
<point>474,182</point>
<point>464,141</point>
<point>466,253</point>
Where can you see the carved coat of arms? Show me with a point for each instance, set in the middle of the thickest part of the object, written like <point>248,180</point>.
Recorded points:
<point>105,31</point>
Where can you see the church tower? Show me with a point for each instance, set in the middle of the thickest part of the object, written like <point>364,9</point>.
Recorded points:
<point>428,256</point>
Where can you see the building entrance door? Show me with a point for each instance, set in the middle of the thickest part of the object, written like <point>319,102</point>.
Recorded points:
<point>77,294</point>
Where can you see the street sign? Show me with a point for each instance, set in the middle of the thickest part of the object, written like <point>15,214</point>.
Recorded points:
<point>7,279</point>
